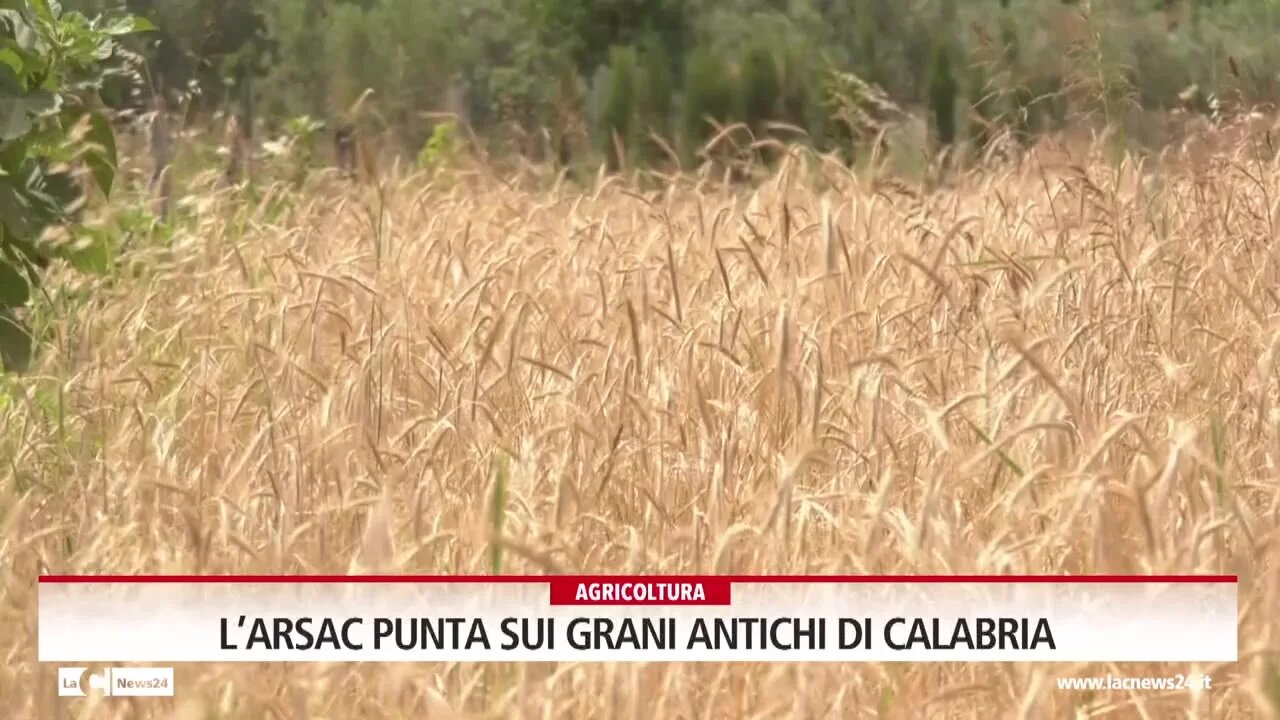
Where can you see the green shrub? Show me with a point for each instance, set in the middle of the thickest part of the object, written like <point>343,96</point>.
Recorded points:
<point>295,150</point>
<point>655,91</point>
<point>709,93</point>
<point>52,68</point>
<point>618,115</point>
<point>942,96</point>
<point>441,147</point>
<point>760,87</point>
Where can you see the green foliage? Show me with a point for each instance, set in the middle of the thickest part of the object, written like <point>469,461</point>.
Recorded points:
<point>297,81</point>
<point>499,64</point>
<point>618,114</point>
<point>589,31</point>
<point>1271,685</point>
<point>709,95</point>
<point>655,92</point>
<point>983,103</point>
<point>352,60</point>
<point>296,149</point>
<point>303,128</point>
<point>498,512</point>
<point>203,50</point>
<point>862,111</point>
<point>441,146</point>
<point>632,102</point>
<point>942,96</point>
<point>760,86</point>
<point>52,68</point>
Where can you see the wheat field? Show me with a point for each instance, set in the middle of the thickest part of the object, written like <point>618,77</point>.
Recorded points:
<point>1061,365</point>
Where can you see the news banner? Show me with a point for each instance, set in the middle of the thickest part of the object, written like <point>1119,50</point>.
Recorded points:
<point>174,619</point>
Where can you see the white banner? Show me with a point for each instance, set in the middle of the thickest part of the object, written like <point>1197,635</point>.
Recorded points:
<point>758,619</point>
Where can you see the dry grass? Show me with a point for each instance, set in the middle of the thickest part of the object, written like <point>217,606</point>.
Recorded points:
<point>1042,370</point>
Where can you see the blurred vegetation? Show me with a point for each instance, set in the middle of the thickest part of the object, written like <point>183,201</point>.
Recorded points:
<point>56,145</point>
<point>641,81</point>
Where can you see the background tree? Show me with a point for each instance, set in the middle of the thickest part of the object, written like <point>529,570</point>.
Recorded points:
<point>760,87</point>
<point>942,96</point>
<point>618,114</point>
<point>514,64</point>
<point>708,99</point>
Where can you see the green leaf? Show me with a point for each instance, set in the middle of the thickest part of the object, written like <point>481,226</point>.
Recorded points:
<point>44,10</point>
<point>14,290</point>
<point>10,58</point>
<point>1271,685</point>
<point>16,343</point>
<point>92,252</point>
<point>127,26</point>
<point>886,700</point>
<point>12,155</point>
<point>53,64</point>
<point>1004,458</point>
<point>18,115</point>
<point>27,250</point>
<point>1218,433</point>
<point>27,37</point>
<point>16,213</point>
<point>101,157</point>
<point>62,191</point>
<point>31,201</point>
<point>12,83</point>
<point>498,509</point>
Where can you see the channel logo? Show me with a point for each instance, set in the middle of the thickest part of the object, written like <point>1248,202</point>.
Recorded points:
<point>81,682</point>
<point>116,682</point>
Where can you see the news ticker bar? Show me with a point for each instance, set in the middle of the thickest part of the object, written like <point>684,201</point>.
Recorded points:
<point>638,618</point>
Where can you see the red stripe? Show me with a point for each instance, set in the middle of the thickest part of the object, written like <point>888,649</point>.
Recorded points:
<point>850,579</point>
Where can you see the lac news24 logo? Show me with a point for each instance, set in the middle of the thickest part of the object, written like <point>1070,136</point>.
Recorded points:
<point>117,682</point>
